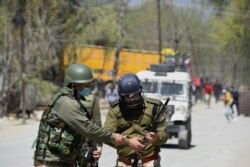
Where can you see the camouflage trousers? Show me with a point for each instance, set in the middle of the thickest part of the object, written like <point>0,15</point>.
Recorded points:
<point>52,164</point>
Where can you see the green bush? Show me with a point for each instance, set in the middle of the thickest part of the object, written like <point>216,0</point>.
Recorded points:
<point>45,89</point>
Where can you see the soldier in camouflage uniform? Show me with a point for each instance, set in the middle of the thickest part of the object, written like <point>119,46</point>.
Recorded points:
<point>132,116</point>
<point>66,122</point>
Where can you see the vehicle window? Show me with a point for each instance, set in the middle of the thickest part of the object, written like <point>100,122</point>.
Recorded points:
<point>149,87</point>
<point>171,89</point>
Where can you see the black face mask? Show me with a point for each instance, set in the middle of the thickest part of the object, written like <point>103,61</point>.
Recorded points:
<point>131,106</point>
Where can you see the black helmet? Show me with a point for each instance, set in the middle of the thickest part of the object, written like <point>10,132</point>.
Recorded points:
<point>129,89</point>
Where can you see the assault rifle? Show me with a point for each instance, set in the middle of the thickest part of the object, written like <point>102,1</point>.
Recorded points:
<point>89,153</point>
<point>155,122</point>
<point>152,128</point>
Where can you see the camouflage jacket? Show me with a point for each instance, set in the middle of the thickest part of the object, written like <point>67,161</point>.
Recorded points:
<point>63,127</point>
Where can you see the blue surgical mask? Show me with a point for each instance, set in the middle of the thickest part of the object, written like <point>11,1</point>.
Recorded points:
<point>84,92</point>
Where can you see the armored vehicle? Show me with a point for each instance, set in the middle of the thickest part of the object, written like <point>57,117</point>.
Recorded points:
<point>162,81</point>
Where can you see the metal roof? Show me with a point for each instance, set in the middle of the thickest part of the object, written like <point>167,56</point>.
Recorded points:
<point>177,76</point>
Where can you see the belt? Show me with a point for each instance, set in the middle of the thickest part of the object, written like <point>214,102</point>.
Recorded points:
<point>39,162</point>
<point>144,160</point>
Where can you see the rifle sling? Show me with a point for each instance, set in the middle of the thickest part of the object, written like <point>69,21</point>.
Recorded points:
<point>84,109</point>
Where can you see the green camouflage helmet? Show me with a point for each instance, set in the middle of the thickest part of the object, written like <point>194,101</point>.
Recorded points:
<point>78,73</point>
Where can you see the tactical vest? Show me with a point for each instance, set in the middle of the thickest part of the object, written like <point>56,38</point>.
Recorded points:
<point>55,141</point>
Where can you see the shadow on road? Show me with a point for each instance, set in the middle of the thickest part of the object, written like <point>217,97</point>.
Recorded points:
<point>174,146</point>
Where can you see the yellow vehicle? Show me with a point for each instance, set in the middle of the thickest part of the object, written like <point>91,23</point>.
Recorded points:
<point>101,60</point>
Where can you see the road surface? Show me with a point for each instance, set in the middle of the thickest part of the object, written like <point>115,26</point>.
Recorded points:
<point>215,142</point>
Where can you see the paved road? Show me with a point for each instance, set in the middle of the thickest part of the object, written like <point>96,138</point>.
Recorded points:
<point>216,143</point>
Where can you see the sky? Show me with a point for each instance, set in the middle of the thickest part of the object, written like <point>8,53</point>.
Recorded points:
<point>178,2</point>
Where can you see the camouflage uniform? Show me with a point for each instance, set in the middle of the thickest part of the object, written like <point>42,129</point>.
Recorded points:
<point>136,124</point>
<point>63,128</point>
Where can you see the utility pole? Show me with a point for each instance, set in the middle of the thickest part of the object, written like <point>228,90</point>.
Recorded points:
<point>193,52</point>
<point>20,22</point>
<point>119,44</point>
<point>159,30</point>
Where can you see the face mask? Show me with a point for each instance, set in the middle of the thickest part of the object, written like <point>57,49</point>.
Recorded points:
<point>84,92</point>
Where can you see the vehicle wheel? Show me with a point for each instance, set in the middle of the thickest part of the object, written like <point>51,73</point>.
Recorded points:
<point>188,127</point>
<point>184,139</point>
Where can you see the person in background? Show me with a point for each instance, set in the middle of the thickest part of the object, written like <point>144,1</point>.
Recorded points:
<point>208,90</point>
<point>235,101</point>
<point>132,115</point>
<point>217,90</point>
<point>197,88</point>
<point>227,101</point>
<point>111,94</point>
